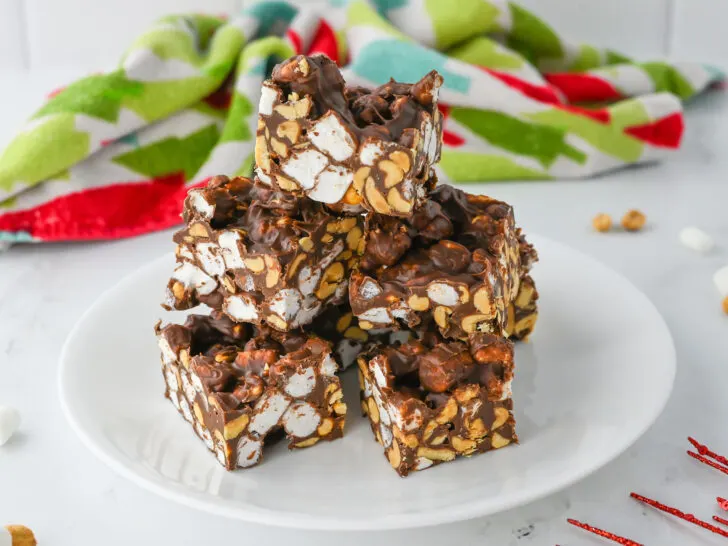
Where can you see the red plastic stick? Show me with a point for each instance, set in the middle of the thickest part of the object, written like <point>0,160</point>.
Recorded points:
<point>703,450</point>
<point>606,534</point>
<point>690,518</point>
<point>721,520</point>
<point>707,461</point>
<point>722,503</point>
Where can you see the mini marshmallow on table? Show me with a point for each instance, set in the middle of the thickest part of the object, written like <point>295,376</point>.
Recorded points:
<point>720,278</point>
<point>696,239</point>
<point>9,423</point>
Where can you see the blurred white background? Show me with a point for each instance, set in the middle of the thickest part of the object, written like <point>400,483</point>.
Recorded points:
<point>91,34</point>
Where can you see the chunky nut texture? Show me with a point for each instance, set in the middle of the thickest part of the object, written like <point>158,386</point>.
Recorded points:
<point>430,400</point>
<point>242,383</point>
<point>459,260</point>
<point>352,148</point>
<point>633,220</point>
<point>602,222</point>
<point>342,329</point>
<point>262,256</point>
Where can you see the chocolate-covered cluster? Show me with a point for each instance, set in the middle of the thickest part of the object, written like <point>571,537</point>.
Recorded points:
<point>237,384</point>
<point>457,260</point>
<point>432,368</point>
<point>260,255</point>
<point>353,148</point>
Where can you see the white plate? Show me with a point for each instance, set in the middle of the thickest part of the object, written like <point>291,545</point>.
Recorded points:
<point>597,373</point>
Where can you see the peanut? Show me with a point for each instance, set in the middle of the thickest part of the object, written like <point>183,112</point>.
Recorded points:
<point>235,428</point>
<point>401,159</point>
<point>448,412</point>
<point>326,426</point>
<point>307,443</point>
<point>483,302</point>
<point>277,322</point>
<point>376,199</point>
<point>197,230</point>
<point>373,411</point>
<point>356,333</point>
<point>498,441</point>
<point>418,303</point>
<point>278,147</point>
<point>633,220</point>
<point>178,290</point>
<point>290,130</point>
<point>470,323</point>
<point>441,315</point>
<point>306,244</point>
<point>463,446</point>
<point>440,454</point>
<point>256,264</point>
<point>393,174</point>
<point>394,198</point>
<point>344,322</point>
<point>501,416</point>
<point>262,157</point>
<point>602,222</point>
<point>394,455</point>
<point>353,238</point>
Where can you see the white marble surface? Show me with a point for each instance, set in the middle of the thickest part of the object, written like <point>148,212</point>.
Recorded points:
<point>50,482</point>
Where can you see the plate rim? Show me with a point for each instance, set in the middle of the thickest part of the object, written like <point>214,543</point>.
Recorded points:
<point>292,520</point>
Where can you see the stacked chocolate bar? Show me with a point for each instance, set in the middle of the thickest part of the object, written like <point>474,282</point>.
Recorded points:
<point>342,250</point>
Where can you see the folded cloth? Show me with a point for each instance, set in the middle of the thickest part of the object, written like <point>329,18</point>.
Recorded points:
<point>113,154</point>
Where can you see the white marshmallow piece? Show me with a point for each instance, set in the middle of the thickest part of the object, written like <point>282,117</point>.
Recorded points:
<point>240,309</point>
<point>210,260</point>
<point>263,177</point>
<point>378,315</point>
<point>348,350</point>
<point>329,366</point>
<point>268,97</point>
<point>268,412</point>
<point>332,184</point>
<point>696,239</point>
<point>168,355</point>
<point>249,452</point>
<point>308,279</point>
<point>198,202</point>
<point>421,463</point>
<point>369,289</point>
<point>9,423</point>
<point>442,293</point>
<point>286,303</point>
<point>330,136</point>
<point>228,241</point>
<point>305,166</point>
<point>720,278</point>
<point>191,275</point>
<point>386,434</point>
<point>310,308</point>
<point>301,419</point>
<point>301,383</point>
<point>369,153</point>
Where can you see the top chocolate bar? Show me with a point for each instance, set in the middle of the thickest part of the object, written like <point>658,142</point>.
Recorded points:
<point>352,148</point>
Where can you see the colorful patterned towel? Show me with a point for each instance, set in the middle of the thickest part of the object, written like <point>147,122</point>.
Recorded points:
<point>113,154</point>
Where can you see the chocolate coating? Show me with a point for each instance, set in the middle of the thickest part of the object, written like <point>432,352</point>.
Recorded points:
<point>458,260</point>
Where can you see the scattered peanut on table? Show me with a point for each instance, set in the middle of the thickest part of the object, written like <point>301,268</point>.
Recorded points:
<point>16,535</point>
<point>602,222</point>
<point>633,220</point>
